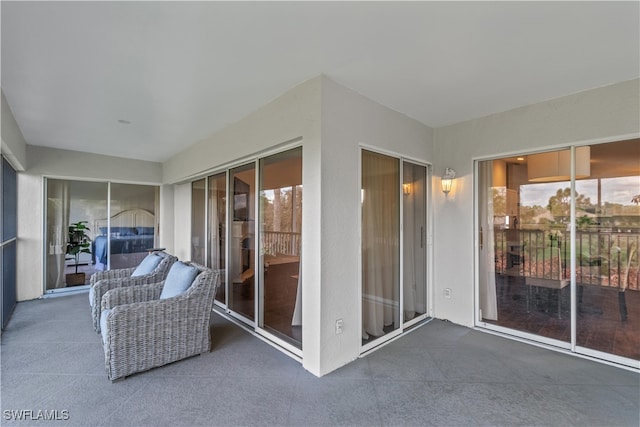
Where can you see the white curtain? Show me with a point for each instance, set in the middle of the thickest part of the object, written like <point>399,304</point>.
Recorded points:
<point>487,274</point>
<point>380,243</point>
<point>409,252</point>
<point>214,232</point>
<point>297,309</point>
<point>414,262</point>
<point>58,204</point>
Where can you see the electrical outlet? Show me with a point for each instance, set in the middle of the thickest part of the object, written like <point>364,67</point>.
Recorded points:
<point>447,292</point>
<point>339,326</point>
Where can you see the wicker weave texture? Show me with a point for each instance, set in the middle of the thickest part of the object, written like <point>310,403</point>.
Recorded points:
<point>144,332</point>
<point>112,279</point>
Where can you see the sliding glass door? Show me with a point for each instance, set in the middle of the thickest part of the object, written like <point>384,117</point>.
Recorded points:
<point>607,240</point>
<point>251,216</point>
<point>394,245</point>
<point>198,224</point>
<point>115,227</point>
<point>280,231</point>
<point>242,252</point>
<point>558,257</point>
<point>217,229</point>
<point>70,202</point>
<point>380,245</point>
<point>414,265</point>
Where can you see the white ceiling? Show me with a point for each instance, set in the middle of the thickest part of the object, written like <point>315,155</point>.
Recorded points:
<point>181,71</point>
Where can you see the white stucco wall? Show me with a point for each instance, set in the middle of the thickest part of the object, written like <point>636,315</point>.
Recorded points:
<point>12,145</point>
<point>166,215</point>
<point>67,165</point>
<point>350,120</point>
<point>604,114</point>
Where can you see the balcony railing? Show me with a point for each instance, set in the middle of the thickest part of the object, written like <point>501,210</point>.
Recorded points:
<point>604,258</point>
<point>280,242</point>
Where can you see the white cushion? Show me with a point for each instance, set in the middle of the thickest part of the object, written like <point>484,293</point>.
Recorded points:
<point>103,324</point>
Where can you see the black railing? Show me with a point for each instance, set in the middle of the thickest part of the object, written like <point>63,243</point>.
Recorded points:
<point>604,258</point>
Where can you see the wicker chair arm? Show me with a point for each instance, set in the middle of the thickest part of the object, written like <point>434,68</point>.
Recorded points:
<point>131,295</point>
<point>101,287</point>
<point>111,274</point>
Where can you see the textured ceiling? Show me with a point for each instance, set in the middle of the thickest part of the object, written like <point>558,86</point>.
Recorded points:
<point>180,71</point>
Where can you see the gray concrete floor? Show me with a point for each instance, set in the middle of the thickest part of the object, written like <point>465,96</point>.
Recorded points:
<point>440,374</point>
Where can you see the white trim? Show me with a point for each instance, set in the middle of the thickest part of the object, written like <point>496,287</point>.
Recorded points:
<point>584,353</point>
<point>573,317</point>
<point>233,319</point>
<point>391,153</point>
<point>608,358</point>
<point>554,147</point>
<point>279,342</point>
<point>274,149</point>
<point>477,312</point>
<point>523,335</point>
<point>60,292</point>
<point>115,181</point>
<point>378,345</point>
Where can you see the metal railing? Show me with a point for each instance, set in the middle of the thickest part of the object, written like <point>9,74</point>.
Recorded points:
<point>604,258</point>
<point>280,242</point>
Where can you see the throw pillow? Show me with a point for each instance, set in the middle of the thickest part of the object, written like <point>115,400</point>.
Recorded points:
<point>178,280</point>
<point>147,265</point>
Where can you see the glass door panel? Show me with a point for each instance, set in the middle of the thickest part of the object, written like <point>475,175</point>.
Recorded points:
<point>280,236</point>
<point>241,289</point>
<point>133,223</point>
<point>218,229</point>
<point>72,202</point>
<point>198,214</point>
<point>380,199</point>
<point>607,239</point>
<point>524,251</point>
<point>414,199</point>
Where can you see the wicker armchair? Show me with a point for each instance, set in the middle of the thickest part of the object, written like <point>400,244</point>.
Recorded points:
<point>104,281</point>
<point>142,331</point>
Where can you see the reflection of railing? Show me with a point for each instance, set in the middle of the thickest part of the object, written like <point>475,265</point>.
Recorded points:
<point>603,256</point>
<point>280,242</point>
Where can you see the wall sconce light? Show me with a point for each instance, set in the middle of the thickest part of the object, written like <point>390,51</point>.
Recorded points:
<point>447,180</point>
<point>406,189</point>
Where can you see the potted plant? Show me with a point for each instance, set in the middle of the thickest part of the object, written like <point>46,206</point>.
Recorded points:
<point>77,243</point>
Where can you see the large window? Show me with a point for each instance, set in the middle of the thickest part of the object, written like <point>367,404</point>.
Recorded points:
<point>86,231</point>
<point>559,256</point>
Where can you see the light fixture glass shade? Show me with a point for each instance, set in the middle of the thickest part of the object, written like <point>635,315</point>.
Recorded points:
<point>556,165</point>
<point>446,185</point>
<point>447,180</point>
